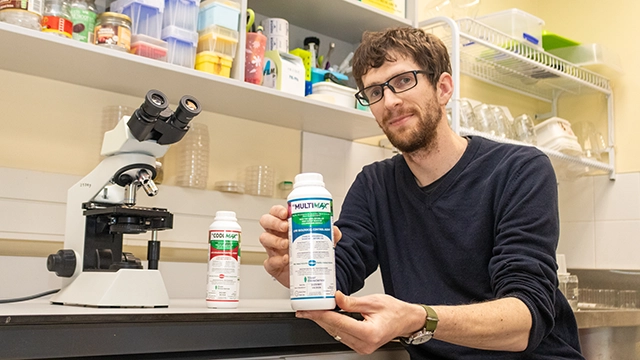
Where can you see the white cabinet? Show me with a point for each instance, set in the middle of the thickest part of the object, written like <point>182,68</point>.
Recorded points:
<point>492,57</point>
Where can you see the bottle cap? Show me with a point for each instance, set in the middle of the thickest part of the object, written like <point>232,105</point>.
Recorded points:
<point>308,179</point>
<point>226,215</point>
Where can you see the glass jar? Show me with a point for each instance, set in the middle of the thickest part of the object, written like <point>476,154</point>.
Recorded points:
<point>20,17</point>
<point>56,18</point>
<point>83,16</point>
<point>113,30</point>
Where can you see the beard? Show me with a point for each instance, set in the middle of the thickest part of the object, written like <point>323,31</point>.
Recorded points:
<point>420,137</point>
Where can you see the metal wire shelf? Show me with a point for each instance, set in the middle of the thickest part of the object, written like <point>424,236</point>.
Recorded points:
<point>577,165</point>
<point>497,58</point>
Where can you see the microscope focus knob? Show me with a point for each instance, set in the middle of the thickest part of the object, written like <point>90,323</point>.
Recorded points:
<point>63,263</point>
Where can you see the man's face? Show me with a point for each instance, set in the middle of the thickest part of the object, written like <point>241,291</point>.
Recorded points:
<point>409,119</point>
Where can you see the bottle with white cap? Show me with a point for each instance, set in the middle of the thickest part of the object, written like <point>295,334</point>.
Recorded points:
<point>223,271</point>
<point>312,274</point>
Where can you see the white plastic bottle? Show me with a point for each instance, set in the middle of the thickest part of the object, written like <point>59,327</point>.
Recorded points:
<point>312,274</point>
<point>223,272</point>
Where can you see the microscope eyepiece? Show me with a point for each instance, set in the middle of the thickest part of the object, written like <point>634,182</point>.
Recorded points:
<point>144,118</point>
<point>188,108</point>
<point>154,103</point>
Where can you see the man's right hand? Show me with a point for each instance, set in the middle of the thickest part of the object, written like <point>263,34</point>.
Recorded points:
<point>275,240</point>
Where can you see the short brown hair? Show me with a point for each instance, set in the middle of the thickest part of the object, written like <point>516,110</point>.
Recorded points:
<point>424,48</point>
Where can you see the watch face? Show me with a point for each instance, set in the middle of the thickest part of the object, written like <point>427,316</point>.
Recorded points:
<point>418,338</point>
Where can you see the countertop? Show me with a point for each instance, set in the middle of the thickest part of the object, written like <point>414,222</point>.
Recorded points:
<point>37,329</point>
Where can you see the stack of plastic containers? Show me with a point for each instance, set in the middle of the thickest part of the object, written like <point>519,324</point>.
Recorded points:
<point>218,22</point>
<point>146,24</point>
<point>179,31</point>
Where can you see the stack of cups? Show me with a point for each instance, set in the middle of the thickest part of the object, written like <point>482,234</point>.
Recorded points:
<point>260,180</point>
<point>277,32</point>
<point>192,157</point>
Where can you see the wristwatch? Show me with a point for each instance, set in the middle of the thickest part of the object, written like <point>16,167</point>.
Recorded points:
<point>426,333</point>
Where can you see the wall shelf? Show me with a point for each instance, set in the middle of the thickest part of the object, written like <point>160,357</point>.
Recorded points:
<point>56,58</point>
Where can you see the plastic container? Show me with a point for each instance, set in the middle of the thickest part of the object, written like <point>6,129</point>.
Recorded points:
<point>214,63</point>
<point>181,46</point>
<point>20,17</point>
<point>229,186</point>
<point>218,39</point>
<point>56,18</point>
<point>312,273</point>
<point>192,157</point>
<point>517,24</point>
<point>146,15</point>
<point>219,12</point>
<point>318,75</point>
<point>556,134</point>
<point>223,270</point>
<point>594,57</point>
<point>343,95</point>
<point>260,180</point>
<point>83,15</point>
<point>149,47</point>
<point>181,13</point>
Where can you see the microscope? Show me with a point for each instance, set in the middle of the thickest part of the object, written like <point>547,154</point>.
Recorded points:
<point>101,209</point>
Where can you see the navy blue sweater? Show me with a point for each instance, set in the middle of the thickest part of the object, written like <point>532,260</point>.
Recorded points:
<point>487,229</point>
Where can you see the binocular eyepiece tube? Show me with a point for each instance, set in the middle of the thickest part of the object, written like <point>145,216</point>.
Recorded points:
<point>154,120</point>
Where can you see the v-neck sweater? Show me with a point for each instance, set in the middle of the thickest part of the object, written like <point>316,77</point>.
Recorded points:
<point>488,230</point>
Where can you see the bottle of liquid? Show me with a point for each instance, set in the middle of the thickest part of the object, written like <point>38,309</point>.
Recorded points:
<point>83,16</point>
<point>312,274</point>
<point>223,272</point>
<point>56,18</point>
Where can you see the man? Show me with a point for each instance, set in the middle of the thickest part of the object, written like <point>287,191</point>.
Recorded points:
<point>464,229</point>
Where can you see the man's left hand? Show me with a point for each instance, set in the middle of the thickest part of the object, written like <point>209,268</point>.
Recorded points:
<point>385,318</point>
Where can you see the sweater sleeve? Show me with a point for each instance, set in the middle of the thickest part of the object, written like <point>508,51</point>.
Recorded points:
<point>355,252</point>
<point>527,227</point>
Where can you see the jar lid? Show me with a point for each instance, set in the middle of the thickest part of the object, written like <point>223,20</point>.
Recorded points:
<point>115,15</point>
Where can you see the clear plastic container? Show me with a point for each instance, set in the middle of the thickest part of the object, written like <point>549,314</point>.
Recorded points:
<point>83,16</point>
<point>181,46</point>
<point>146,15</point>
<point>181,13</point>
<point>594,57</point>
<point>214,63</point>
<point>568,285</point>
<point>56,18</point>
<point>149,47</point>
<point>518,24</point>
<point>192,157</point>
<point>218,39</point>
<point>343,95</point>
<point>20,17</point>
<point>260,180</point>
<point>225,13</point>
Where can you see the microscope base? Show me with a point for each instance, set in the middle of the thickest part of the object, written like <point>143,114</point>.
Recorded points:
<point>123,288</point>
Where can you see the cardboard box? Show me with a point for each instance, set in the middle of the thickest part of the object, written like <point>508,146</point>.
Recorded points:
<point>284,71</point>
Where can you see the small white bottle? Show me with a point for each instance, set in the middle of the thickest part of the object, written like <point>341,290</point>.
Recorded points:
<point>312,274</point>
<point>223,271</point>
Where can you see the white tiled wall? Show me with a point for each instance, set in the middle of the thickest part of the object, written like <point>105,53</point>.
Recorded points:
<point>600,222</point>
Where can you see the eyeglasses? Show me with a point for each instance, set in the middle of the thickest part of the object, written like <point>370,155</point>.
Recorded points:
<point>397,84</point>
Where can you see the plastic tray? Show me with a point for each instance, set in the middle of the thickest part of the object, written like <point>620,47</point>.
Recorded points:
<point>343,95</point>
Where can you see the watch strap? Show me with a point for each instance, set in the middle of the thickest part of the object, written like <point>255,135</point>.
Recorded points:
<point>431,321</point>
